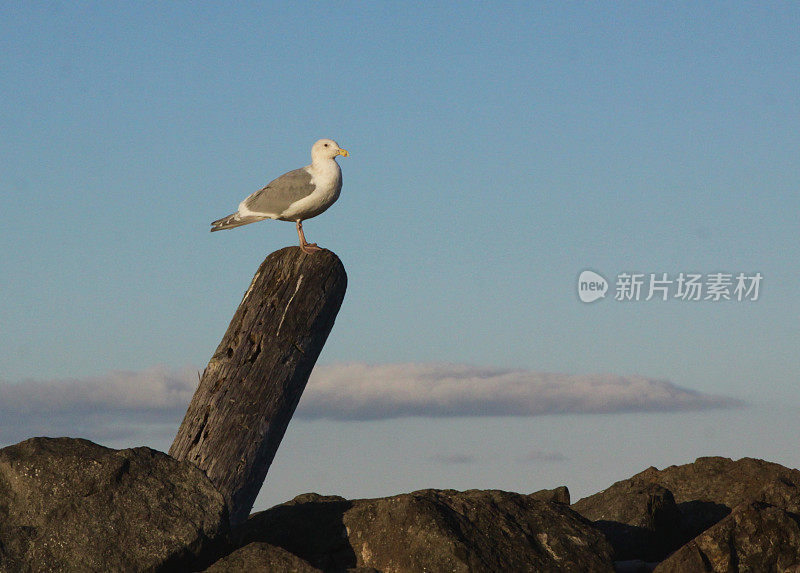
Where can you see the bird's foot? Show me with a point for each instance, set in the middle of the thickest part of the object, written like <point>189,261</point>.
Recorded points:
<point>309,248</point>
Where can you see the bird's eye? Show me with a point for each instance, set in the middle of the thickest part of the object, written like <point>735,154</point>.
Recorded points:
<point>326,145</point>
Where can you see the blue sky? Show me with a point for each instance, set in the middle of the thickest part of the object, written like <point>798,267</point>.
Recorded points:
<point>497,150</point>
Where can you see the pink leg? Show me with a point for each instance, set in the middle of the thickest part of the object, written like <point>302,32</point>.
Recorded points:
<point>305,246</point>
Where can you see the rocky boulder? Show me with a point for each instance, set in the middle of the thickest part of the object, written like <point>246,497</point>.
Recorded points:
<point>728,483</point>
<point>259,556</point>
<point>642,522</point>
<point>431,530</point>
<point>755,537</point>
<point>70,504</point>
<point>558,495</point>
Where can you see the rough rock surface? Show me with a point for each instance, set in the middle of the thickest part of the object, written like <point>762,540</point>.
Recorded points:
<point>258,557</point>
<point>755,537</point>
<point>726,482</point>
<point>558,495</point>
<point>640,520</point>
<point>70,504</point>
<point>705,492</point>
<point>432,530</point>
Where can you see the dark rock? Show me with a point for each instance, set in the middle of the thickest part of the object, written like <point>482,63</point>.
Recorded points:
<point>634,566</point>
<point>783,492</point>
<point>309,526</point>
<point>640,519</point>
<point>708,489</point>
<point>558,495</point>
<point>697,516</point>
<point>755,537</point>
<point>725,482</point>
<point>704,493</point>
<point>432,530</point>
<point>70,504</point>
<point>646,505</point>
<point>261,557</point>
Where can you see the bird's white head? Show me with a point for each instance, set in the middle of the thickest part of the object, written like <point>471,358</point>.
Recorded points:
<point>326,149</point>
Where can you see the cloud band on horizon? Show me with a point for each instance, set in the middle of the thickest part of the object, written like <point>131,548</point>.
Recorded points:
<point>372,392</point>
<point>357,391</point>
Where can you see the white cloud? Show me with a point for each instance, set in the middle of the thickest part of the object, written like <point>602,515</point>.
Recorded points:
<point>156,388</point>
<point>121,401</point>
<point>119,408</point>
<point>366,392</point>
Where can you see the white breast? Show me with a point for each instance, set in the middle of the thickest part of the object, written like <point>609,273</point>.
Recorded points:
<point>326,176</point>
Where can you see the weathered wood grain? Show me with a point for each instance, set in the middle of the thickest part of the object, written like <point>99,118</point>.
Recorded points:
<point>252,384</point>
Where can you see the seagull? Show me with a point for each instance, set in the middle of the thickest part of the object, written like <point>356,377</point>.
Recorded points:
<point>294,196</point>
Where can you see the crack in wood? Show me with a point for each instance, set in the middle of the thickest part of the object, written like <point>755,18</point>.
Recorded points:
<point>288,304</point>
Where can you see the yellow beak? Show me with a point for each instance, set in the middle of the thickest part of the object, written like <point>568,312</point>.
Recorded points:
<point>343,152</point>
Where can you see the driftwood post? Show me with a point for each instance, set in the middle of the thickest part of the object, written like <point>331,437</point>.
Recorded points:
<point>252,384</point>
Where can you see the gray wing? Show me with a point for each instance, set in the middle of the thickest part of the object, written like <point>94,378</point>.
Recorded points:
<point>276,197</point>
